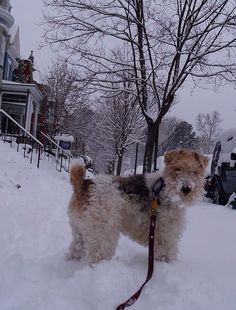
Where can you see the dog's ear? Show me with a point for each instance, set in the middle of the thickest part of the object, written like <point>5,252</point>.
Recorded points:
<point>170,156</point>
<point>201,158</point>
<point>205,160</point>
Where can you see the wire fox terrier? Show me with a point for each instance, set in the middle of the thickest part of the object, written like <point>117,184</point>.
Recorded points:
<point>102,208</point>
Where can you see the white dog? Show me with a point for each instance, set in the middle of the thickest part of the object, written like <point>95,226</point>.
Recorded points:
<point>102,208</point>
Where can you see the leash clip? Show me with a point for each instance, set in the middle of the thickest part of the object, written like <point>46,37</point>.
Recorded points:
<point>153,207</point>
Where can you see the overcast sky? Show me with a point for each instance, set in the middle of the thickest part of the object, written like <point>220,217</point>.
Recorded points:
<point>28,15</point>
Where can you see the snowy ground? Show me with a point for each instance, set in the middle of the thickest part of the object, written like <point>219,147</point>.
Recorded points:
<point>34,236</point>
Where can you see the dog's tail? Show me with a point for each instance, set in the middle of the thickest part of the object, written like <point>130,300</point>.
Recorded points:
<point>77,174</point>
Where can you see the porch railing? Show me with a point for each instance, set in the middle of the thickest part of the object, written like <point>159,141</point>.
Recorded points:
<point>31,146</point>
<point>62,157</point>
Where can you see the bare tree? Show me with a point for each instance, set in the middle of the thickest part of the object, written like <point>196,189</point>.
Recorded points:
<point>62,89</point>
<point>167,42</point>
<point>80,125</point>
<point>117,126</point>
<point>170,122</point>
<point>208,127</point>
<point>68,107</point>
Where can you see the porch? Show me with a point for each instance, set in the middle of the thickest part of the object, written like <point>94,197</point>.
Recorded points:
<point>22,102</point>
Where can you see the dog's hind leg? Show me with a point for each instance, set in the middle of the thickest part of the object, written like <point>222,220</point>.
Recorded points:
<point>76,249</point>
<point>100,243</point>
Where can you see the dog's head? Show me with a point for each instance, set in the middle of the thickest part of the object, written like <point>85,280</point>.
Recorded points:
<point>184,174</point>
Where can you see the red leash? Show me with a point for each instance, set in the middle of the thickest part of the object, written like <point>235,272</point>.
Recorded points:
<point>129,302</point>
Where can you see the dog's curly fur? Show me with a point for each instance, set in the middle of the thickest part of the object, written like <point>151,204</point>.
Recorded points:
<point>102,208</point>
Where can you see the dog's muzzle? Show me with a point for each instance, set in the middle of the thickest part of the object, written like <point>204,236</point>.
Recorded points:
<point>186,189</point>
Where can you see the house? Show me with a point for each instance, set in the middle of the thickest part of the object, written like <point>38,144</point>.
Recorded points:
<point>20,97</point>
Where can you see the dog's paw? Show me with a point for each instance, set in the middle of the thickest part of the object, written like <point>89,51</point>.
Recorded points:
<point>73,255</point>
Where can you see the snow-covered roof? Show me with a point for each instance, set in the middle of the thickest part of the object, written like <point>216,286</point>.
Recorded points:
<point>228,140</point>
<point>65,138</point>
<point>228,145</point>
<point>22,87</point>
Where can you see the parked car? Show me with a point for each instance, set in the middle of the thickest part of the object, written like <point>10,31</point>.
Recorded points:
<point>221,183</point>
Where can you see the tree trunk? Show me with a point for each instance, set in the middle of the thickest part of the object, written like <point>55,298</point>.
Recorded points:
<point>136,158</point>
<point>149,148</point>
<point>156,148</point>
<point>110,169</point>
<point>119,163</point>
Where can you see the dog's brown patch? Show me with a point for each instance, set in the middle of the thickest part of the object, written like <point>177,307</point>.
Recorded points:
<point>77,173</point>
<point>81,187</point>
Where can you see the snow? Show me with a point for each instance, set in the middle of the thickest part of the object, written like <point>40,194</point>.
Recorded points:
<point>34,237</point>
<point>139,170</point>
<point>228,146</point>
<point>208,167</point>
<point>228,140</point>
<point>232,201</point>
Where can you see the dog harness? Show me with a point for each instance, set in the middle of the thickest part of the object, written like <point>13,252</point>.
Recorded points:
<point>157,187</point>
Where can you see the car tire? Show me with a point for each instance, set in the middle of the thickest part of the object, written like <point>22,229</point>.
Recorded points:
<point>217,198</point>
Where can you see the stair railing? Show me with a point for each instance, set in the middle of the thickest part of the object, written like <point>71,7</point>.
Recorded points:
<point>62,157</point>
<point>22,136</point>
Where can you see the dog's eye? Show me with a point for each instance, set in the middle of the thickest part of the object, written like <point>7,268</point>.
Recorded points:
<point>194,172</point>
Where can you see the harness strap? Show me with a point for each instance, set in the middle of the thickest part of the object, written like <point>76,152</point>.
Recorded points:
<point>158,186</point>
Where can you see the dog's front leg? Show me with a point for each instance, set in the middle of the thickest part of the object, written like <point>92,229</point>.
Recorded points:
<point>165,250</point>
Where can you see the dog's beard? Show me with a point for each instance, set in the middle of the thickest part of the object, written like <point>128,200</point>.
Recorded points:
<point>177,200</point>
<point>176,197</point>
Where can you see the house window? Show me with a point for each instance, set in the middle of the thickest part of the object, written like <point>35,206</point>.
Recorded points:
<point>14,99</point>
<point>65,145</point>
<point>7,73</point>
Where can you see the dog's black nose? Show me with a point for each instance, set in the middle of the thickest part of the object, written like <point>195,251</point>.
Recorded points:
<point>186,190</point>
